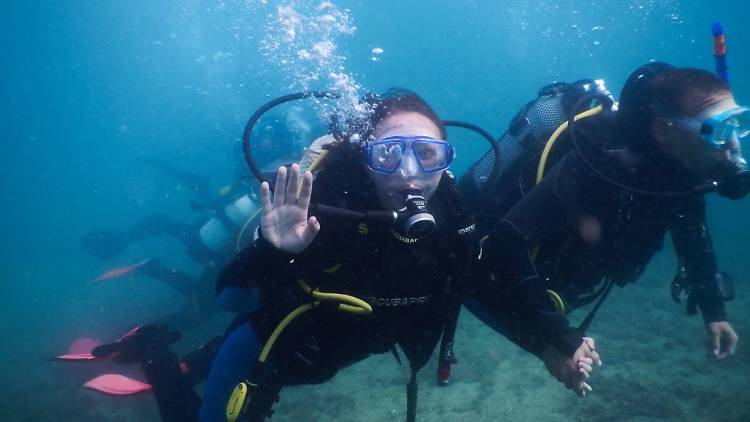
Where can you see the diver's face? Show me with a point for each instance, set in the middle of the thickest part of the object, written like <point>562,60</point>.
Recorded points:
<point>409,174</point>
<point>687,147</point>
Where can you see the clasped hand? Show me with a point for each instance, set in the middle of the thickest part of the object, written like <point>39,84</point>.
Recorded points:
<point>573,372</point>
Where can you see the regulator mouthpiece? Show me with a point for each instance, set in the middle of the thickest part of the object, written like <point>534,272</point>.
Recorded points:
<point>415,220</point>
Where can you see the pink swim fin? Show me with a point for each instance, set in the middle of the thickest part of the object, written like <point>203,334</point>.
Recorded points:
<point>121,271</point>
<point>83,345</point>
<point>80,350</point>
<point>118,385</point>
<point>76,357</point>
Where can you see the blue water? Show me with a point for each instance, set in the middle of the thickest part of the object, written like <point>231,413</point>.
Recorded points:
<point>91,89</point>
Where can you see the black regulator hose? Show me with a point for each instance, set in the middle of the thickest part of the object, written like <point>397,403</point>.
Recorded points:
<point>412,390</point>
<point>706,187</point>
<point>486,135</point>
<point>386,217</point>
<point>262,110</point>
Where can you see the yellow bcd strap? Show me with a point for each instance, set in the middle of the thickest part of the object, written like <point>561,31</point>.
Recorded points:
<point>347,303</point>
<point>548,148</point>
<point>243,392</point>
<point>558,301</point>
<point>556,134</point>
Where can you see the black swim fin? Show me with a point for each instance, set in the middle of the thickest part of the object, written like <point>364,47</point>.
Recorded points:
<point>138,342</point>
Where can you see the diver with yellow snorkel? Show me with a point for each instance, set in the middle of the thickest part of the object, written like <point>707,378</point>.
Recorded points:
<point>220,226</point>
<point>586,206</point>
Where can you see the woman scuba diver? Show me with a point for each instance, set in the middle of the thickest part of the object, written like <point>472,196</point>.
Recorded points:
<point>371,256</point>
<point>395,284</point>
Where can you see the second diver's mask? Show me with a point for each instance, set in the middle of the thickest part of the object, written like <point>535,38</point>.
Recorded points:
<point>720,129</point>
<point>725,130</point>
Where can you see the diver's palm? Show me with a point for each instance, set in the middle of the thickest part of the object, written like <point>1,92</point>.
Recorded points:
<point>284,221</point>
<point>284,227</point>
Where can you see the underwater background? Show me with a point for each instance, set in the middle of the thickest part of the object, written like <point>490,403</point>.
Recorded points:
<point>94,93</point>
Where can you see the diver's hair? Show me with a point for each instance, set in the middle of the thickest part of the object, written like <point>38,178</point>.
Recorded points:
<point>399,100</point>
<point>393,101</point>
<point>344,161</point>
<point>681,91</point>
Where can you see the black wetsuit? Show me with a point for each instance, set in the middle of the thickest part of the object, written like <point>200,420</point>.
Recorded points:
<point>414,286</point>
<point>576,230</point>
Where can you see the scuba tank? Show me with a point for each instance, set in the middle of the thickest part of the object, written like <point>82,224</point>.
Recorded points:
<point>527,150</point>
<point>219,230</point>
<point>522,144</point>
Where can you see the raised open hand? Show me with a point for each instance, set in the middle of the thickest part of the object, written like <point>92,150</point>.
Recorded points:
<point>284,221</point>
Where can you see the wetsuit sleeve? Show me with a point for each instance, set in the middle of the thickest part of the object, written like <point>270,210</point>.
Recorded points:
<point>513,290</point>
<point>253,266</point>
<point>695,253</point>
<point>262,264</point>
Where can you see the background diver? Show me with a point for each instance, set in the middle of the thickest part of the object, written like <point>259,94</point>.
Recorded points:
<point>211,239</point>
<point>227,220</point>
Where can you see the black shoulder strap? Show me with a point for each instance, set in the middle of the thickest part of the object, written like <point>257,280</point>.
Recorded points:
<point>459,219</point>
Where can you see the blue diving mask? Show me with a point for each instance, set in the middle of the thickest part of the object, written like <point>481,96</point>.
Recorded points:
<point>385,155</point>
<point>720,129</point>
